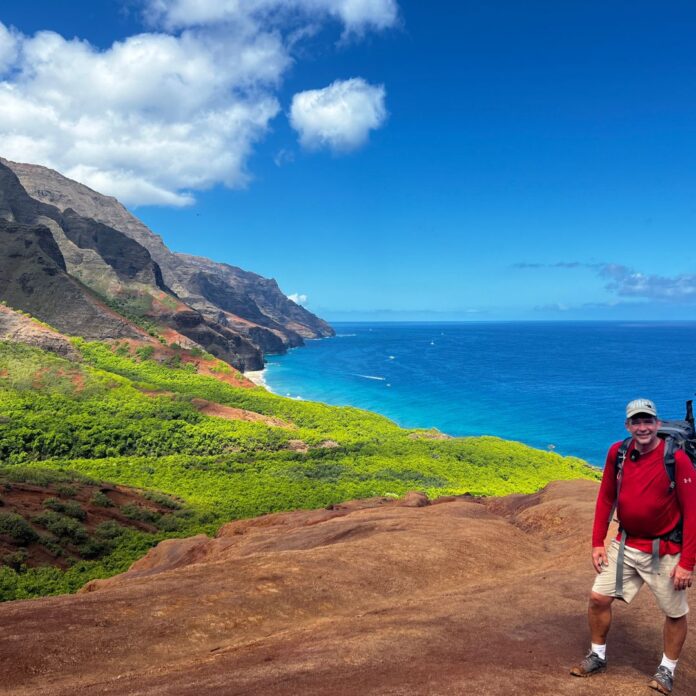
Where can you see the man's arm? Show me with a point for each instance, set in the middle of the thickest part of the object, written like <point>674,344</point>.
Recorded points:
<point>605,502</point>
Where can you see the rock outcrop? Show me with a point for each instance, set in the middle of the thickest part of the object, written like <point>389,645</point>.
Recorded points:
<point>372,597</point>
<point>229,301</point>
<point>20,329</point>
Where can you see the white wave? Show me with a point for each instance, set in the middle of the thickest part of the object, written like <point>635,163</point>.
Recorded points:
<point>258,377</point>
<point>380,379</point>
<point>345,335</point>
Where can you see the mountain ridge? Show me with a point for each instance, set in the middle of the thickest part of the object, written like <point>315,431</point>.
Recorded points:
<point>234,314</point>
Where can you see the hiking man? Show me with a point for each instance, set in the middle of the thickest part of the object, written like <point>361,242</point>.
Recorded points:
<point>656,544</point>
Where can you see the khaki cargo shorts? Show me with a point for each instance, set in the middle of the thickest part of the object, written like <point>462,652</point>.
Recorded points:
<point>636,571</point>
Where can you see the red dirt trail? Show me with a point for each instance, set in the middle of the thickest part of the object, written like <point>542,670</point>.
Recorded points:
<point>372,597</point>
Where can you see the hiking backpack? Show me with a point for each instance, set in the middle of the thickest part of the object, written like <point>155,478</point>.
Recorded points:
<point>678,435</point>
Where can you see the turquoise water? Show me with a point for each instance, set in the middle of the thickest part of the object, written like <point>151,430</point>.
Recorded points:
<point>560,385</point>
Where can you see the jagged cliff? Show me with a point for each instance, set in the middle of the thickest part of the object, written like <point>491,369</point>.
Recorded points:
<point>233,313</point>
<point>104,260</point>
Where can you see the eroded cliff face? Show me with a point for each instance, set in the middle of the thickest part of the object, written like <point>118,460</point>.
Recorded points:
<point>233,314</point>
<point>19,329</point>
<point>33,278</point>
<point>454,596</point>
<point>99,256</point>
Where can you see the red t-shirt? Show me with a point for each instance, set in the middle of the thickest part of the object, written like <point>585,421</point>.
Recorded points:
<point>647,508</point>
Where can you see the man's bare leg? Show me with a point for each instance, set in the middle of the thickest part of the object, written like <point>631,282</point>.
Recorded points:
<point>599,617</point>
<point>674,636</point>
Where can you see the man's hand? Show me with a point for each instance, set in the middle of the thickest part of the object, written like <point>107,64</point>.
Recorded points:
<point>682,578</point>
<point>599,558</point>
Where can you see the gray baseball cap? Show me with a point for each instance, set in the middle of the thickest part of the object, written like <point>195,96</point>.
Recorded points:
<point>633,408</point>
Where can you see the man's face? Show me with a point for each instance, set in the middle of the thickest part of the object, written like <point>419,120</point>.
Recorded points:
<point>643,428</point>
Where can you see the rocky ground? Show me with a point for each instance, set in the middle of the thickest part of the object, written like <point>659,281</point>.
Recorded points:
<point>376,597</point>
<point>20,329</point>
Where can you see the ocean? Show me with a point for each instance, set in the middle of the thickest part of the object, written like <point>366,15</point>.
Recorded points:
<point>553,385</point>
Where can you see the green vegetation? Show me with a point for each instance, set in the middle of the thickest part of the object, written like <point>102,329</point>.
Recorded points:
<point>133,421</point>
<point>100,499</point>
<point>17,528</point>
<point>70,508</point>
<point>135,307</point>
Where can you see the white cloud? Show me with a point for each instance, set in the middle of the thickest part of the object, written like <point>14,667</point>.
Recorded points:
<point>283,156</point>
<point>357,16</point>
<point>627,282</point>
<point>298,298</point>
<point>8,47</point>
<point>147,120</point>
<point>158,116</point>
<point>340,116</point>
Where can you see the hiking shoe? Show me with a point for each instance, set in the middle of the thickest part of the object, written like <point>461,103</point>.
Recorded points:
<point>592,664</point>
<point>662,680</point>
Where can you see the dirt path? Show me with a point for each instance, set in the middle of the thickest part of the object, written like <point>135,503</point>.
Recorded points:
<point>460,597</point>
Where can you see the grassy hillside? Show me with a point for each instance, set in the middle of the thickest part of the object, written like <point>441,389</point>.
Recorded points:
<point>119,416</point>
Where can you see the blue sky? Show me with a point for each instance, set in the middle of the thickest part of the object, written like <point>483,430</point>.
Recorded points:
<point>471,160</point>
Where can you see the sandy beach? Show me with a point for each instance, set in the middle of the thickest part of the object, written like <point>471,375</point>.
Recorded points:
<point>258,378</point>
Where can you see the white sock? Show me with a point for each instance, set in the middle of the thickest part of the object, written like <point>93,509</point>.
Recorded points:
<point>671,665</point>
<point>601,650</point>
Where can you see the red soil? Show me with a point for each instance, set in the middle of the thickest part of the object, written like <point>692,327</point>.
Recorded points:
<point>211,408</point>
<point>378,598</point>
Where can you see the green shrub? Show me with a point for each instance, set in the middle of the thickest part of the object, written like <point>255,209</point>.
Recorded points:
<point>142,514</point>
<point>40,476</point>
<point>95,548</point>
<point>100,499</point>
<point>70,508</point>
<point>169,523</point>
<point>17,528</point>
<point>51,545</point>
<point>109,529</point>
<point>65,490</point>
<point>65,528</point>
<point>162,500</point>
<point>16,561</point>
<point>145,352</point>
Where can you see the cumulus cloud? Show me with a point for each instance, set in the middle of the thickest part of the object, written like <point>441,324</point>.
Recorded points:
<point>148,119</point>
<point>340,116</point>
<point>298,298</point>
<point>357,16</point>
<point>627,282</point>
<point>160,115</point>
<point>8,47</point>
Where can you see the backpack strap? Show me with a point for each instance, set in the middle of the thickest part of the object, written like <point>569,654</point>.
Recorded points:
<point>618,471</point>
<point>670,464</point>
<point>618,585</point>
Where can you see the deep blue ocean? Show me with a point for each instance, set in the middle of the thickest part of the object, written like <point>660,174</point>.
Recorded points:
<point>552,385</point>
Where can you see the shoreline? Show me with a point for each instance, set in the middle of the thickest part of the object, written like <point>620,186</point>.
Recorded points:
<point>258,377</point>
